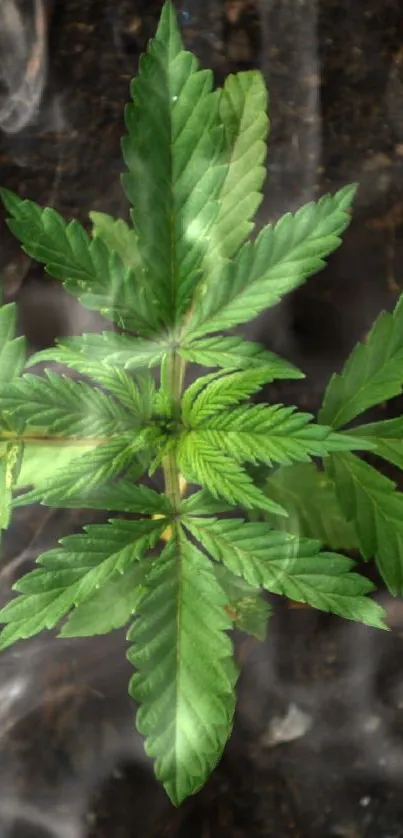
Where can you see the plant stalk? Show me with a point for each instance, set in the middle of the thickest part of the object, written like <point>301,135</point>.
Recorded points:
<point>174,384</point>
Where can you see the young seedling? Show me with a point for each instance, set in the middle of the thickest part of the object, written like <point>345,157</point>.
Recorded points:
<point>176,566</point>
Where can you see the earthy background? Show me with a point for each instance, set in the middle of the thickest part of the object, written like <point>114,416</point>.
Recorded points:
<point>317,749</point>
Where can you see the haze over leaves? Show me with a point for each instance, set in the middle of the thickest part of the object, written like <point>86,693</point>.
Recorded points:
<point>181,567</point>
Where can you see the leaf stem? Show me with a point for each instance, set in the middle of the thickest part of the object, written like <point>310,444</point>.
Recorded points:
<point>175,371</point>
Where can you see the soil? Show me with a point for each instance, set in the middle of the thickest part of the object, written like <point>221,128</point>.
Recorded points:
<point>317,747</point>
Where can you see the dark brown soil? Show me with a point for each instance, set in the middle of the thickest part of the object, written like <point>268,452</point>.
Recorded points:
<point>71,765</point>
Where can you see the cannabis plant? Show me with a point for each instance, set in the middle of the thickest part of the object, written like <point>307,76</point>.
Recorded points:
<point>249,492</point>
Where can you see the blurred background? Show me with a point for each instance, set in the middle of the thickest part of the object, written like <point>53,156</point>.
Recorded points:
<point>317,749</point>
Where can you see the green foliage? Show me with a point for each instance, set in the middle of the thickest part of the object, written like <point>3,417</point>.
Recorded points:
<point>72,572</point>
<point>185,674</point>
<point>173,151</point>
<point>247,609</point>
<point>285,564</point>
<point>109,607</point>
<point>62,407</point>
<point>279,260</point>
<point>12,349</point>
<point>372,374</point>
<point>87,268</point>
<point>202,461</point>
<point>81,480</point>
<point>235,353</point>
<point>371,501</point>
<point>242,112</point>
<point>118,236</point>
<point>309,497</point>
<point>180,565</point>
<point>387,437</point>
<point>12,358</point>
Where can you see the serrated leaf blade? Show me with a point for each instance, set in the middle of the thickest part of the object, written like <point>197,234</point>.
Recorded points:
<point>87,268</point>
<point>82,480</point>
<point>70,573</point>
<point>216,391</point>
<point>287,565</point>
<point>387,437</point>
<point>371,502</point>
<point>279,260</point>
<point>110,607</point>
<point>242,112</point>
<point>58,406</point>
<point>372,373</point>
<point>118,236</point>
<point>234,353</point>
<point>309,497</point>
<point>172,152</point>
<point>185,673</point>
<point>246,608</point>
<point>224,478</point>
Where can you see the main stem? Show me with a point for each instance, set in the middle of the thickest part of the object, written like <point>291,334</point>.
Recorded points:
<point>174,382</point>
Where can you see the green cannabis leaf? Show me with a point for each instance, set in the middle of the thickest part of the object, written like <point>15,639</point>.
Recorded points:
<point>173,153</point>
<point>12,358</point>
<point>285,564</point>
<point>371,501</point>
<point>387,437</point>
<point>242,112</point>
<point>118,236</point>
<point>88,269</point>
<point>185,674</point>
<point>177,566</point>
<point>309,497</point>
<point>372,374</point>
<point>71,573</point>
<point>279,260</point>
<point>247,609</point>
<point>90,352</point>
<point>81,480</point>
<point>236,353</point>
<point>63,407</point>
<point>110,607</point>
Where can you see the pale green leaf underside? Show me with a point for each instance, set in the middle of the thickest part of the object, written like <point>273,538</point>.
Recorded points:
<point>118,236</point>
<point>12,349</point>
<point>279,260</point>
<point>10,461</point>
<point>242,112</point>
<point>41,460</point>
<point>72,572</point>
<point>371,501</point>
<point>111,348</point>
<point>287,565</point>
<point>309,497</point>
<point>87,268</point>
<point>12,358</point>
<point>372,374</point>
<point>77,482</point>
<point>185,674</point>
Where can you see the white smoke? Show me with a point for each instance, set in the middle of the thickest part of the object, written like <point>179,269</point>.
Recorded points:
<point>23,62</point>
